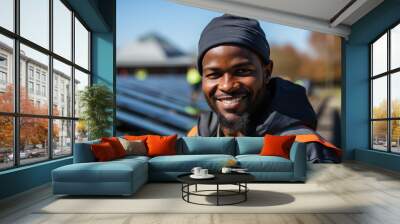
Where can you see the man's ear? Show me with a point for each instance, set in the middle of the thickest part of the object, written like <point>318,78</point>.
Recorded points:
<point>267,68</point>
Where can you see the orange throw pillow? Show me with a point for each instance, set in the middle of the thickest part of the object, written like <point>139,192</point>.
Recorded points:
<point>103,152</point>
<point>116,145</point>
<point>161,145</point>
<point>277,145</point>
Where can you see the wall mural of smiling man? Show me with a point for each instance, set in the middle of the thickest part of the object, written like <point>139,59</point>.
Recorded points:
<point>234,61</point>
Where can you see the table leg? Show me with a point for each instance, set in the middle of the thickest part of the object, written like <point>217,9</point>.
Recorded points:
<point>217,194</point>
<point>196,188</point>
<point>245,193</point>
<point>188,189</point>
<point>182,189</point>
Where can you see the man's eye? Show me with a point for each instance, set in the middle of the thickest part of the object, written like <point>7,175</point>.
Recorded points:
<point>214,75</point>
<point>243,71</point>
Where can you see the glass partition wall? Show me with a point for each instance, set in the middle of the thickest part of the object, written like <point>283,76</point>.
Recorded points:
<point>44,64</point>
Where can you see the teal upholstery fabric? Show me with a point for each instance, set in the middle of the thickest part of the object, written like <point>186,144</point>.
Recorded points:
<point>257,163</point>
<point>126,175</point>
<point>133,158</point>
<point>184,163</point>
<point>83,152</point>
<point>119,177</point>
<point>299,159</point>
<point>206,145</point>
<point>249,145</point>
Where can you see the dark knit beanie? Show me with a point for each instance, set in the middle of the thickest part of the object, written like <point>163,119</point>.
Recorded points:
<point>230,29</point>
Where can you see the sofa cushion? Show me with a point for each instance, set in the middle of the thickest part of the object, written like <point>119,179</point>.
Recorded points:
<point>83,152</point>
<point>257,163</point>
<point>134,147</point>
<point>275,145</point>
<point>249,145</point>
<point>185,163</point>
<point>206,145</point>
<point>112,171</point>
<point>161,145</point>
<point>132,159</point>
<point>103,152</point>
<point>116,145</point>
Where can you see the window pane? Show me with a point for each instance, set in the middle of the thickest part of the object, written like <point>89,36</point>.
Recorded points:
<point>81,131</point>
<point>81,45</point>
<point>33,139</point>
<point>395,94</point>
<point>62,29</point>
<point>62,138</point>
<point>34,72</point>
<point>395,136</point>
<point>81,81</point>
<point>379,97</point>
<point>6,74</point>
<point>35,21</point>
<point>379,135</point>
<point>379,55</point>
<point>6,142</point>
<point>7,14</point>
<point>62,89</point>
<point>395,47</point>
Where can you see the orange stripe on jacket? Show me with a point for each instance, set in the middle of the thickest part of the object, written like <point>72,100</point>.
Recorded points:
<point>316,138</point>
<point>192,132</point>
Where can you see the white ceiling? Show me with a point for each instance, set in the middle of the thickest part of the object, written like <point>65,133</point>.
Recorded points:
<point>322,9</point>
<point>324,16</point>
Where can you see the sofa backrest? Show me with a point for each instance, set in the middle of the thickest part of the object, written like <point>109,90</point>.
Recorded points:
<point>249,145</point>
<point>206,145</point>
<point>83,152</point>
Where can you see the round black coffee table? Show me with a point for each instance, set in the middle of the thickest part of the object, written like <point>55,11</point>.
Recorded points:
<point>238,179</point>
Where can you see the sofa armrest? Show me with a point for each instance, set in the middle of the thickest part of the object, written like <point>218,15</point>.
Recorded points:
<point>83,152</point>
<point>298,157</point>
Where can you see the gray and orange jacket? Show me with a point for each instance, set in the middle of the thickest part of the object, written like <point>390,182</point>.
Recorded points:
<point>287,111</point>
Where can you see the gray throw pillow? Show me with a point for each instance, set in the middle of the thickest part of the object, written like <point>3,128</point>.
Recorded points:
<point>135,147</point>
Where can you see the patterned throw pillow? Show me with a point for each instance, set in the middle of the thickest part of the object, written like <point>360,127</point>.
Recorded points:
<point>134,147</point>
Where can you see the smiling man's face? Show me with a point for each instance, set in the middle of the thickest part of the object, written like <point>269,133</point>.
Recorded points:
<point>234,82</point>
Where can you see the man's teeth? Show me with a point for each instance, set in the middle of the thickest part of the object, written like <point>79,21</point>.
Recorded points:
<point>229,101</point>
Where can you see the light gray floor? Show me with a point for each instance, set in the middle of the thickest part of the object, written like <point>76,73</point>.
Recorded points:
<point>378,188</point>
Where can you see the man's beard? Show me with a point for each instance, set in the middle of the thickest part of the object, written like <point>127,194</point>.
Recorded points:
<point>237,125</point>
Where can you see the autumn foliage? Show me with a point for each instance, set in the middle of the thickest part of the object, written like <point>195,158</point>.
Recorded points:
<point>33,131</point>
<point>321,65</point>
<point>380,127</point>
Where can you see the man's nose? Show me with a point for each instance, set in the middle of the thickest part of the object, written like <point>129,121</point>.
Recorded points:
<point>228,83</point>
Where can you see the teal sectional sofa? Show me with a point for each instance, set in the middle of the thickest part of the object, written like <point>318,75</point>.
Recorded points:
<point>125,176</point>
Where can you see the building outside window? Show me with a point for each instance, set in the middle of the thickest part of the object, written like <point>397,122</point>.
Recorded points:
<point>30,72</point>
<point>34,79</point>
<point>38,89</point>
<point>3,78</point>
<point>37,74</point>
<point>43,77</point>
<point>30,87</point>
<point>43,90</point>
<point>3,71</point>
<point>3,61</point>
<point>385,92</point>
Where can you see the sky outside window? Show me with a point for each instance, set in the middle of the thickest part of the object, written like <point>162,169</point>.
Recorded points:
<point>7,14</point>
